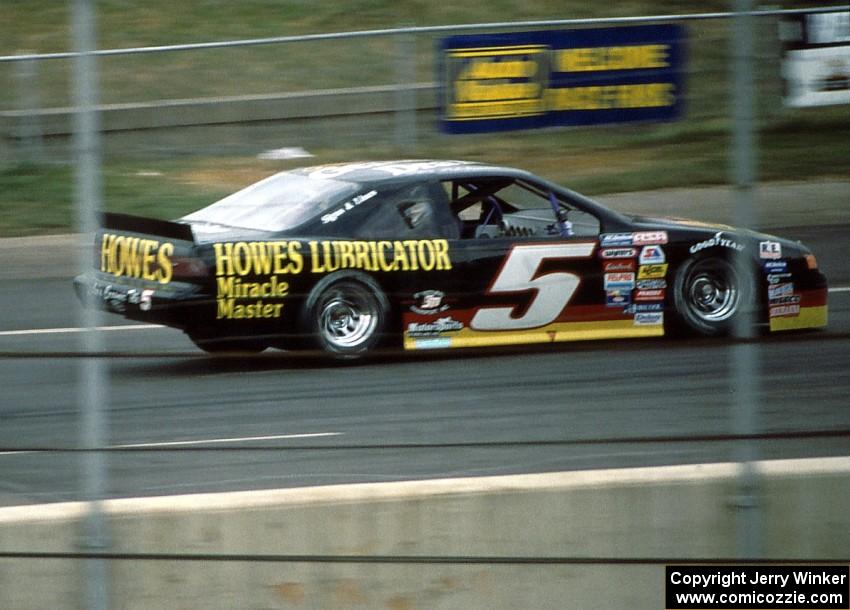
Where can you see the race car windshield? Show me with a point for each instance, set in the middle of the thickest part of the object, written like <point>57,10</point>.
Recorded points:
<point>278,203</point>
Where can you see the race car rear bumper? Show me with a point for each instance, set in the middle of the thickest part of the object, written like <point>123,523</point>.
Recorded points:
<point>172,305</point>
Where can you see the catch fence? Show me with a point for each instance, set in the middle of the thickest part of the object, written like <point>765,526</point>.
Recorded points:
<point>349,95</point>
<point>360,93</point>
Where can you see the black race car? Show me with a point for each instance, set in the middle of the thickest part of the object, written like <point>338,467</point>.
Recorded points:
<point>438,254</point>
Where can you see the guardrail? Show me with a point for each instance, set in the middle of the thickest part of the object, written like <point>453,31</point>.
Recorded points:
<point>28,126</point>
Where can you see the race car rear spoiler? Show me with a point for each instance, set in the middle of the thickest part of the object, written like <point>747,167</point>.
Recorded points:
<point>152,226</point>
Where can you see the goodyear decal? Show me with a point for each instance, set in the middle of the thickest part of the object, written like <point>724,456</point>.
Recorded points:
<point>136,257</point>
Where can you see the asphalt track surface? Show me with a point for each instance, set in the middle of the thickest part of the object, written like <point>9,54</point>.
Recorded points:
<point>181,422</point>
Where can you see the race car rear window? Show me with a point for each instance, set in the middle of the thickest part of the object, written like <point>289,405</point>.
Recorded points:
<point>278,203</point>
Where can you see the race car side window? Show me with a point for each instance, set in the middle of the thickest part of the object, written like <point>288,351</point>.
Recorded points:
<point>495,207</point>
<point>408,213</point>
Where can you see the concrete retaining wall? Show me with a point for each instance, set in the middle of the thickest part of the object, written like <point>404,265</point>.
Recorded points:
<point>677,511</point>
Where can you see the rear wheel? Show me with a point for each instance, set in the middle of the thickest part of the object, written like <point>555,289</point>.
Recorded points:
<point>345,315</point>
<point>709,294</point>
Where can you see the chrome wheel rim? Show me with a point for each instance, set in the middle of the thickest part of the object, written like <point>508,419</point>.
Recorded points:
<point>348,317</point>
<point>712,292</point>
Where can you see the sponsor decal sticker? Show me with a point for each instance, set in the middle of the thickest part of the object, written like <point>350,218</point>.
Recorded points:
<point>793,299</point>
<point>649,272</point>
<point>433,343</point>
<point>618,252</point>
<point>780,290</point>
<point>288,257</point>
<point>650,255</point>
<point>429,302</point>
<point>618,266</point>
<point>618,298</point>
<point>649,238</point>
<point>250,273</point>
<point>780,311</point>
<point>775,266</point>
<point>645,307</point>
<point>134,257</point>
<point>437,327</point>
<point>406,255</point>
<point>651,284</point>
<point>718,241</point>
<point>115,298</point>
<point>655,294</point>
<point>770,249</point>
<point>619,281</point>
<point>348,205</point>
<point>776,278</point>
<point>649,319</point>
<point>615,239</point>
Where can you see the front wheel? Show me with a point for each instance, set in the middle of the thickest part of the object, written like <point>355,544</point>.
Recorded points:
<point>709,294</point>
<point>345,315</point>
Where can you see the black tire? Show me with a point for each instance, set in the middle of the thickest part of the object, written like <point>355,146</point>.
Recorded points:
<point>345,315</point>
<point>709,294</point>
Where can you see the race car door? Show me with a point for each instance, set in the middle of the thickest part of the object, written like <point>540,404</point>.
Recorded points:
<point>526,269</point>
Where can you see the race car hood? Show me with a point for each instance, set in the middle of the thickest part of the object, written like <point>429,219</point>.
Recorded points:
<point>701,230</point>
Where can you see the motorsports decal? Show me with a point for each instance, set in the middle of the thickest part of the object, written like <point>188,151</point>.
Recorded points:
<point>522,80</point>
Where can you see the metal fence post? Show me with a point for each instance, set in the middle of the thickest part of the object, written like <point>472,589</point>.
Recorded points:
<point>93,374</point>
<point>405,94</point>
<point>28,127</point>
<point>769,58</point>
<point>744,360</point>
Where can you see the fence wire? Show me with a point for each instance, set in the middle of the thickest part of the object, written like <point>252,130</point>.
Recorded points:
<point>148,79</point>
